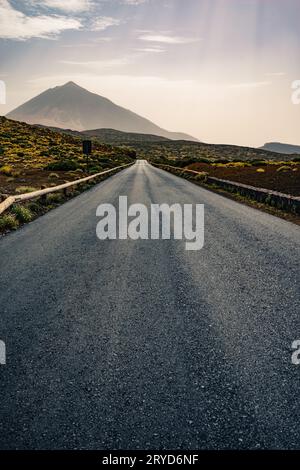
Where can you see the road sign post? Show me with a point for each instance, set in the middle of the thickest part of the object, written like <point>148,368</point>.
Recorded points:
<point>87,150</point>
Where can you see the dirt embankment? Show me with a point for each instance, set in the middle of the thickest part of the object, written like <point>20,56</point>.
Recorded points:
<point>272,177</point>
<point>36,179</point>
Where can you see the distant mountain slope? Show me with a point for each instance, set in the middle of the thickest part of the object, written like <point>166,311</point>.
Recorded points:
<point>150,146</point>
<point>281,148</point>
<point>184,151</point>
<point>113,136</point>
<point>71,106</point>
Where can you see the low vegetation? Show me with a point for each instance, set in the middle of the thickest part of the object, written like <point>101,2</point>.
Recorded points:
<point>272,202</point>
<point>31,155</point>
<point>26,211</point>
<point>185,152</point>
<point>281,176</point>
<point>22,214</point>
<point>34,157</point>
<point>8,222</point>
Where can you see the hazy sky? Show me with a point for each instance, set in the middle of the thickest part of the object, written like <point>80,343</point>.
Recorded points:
<point>220,70</point>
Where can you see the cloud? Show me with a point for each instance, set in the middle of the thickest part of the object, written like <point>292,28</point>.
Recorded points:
<point>75,6</point>
<point>16,25</point>
<point>83,44</point>
<point>167,39</point>
<point>104,22</point>
<point>98,65</point>
<point>275,74</point>
<point>102,39</point>
<point>151,49</point>
<point>250,85</point>
<point>125,2</point>
<point>133,2</point>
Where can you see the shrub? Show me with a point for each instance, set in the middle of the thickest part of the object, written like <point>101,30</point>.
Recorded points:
<point>53,176</point>
<point>201,176</point>
<point>131,153</point>
<point>25,189</point>
<point>22,213</point>
<point>220,165</point>
<point>95,169</point>
<point>63,165</point>
<point>6,170</point>
<point>105,161</point>
<point>54,198</point>
<point>284,168</point>
<point>35,207</point>
<point>8,222</point>
<point>222,161</point>
<point>258,162</point>
<point>238,164</point>
<point>86,186</point>
<point>190,161</point>
<point>260,170</point>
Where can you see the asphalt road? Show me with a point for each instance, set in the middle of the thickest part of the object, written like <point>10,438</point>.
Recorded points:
<point>142,344</point>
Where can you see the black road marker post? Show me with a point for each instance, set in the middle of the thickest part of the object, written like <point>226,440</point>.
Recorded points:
<point>87,150</point>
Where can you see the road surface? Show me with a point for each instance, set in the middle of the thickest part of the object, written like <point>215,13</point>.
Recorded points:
<point>142,344</point>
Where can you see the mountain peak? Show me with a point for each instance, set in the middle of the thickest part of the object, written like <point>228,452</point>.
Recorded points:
<point>71,84</point>
<point>71,106</point>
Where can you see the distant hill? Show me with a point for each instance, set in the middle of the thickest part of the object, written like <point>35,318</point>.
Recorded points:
<point>36,156</point>
<point>23,146</point>
<point>183,151</point>
<point>151,146</point>
<point>281,148</point>
<point>113,136</point>
<point>71,106</point>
